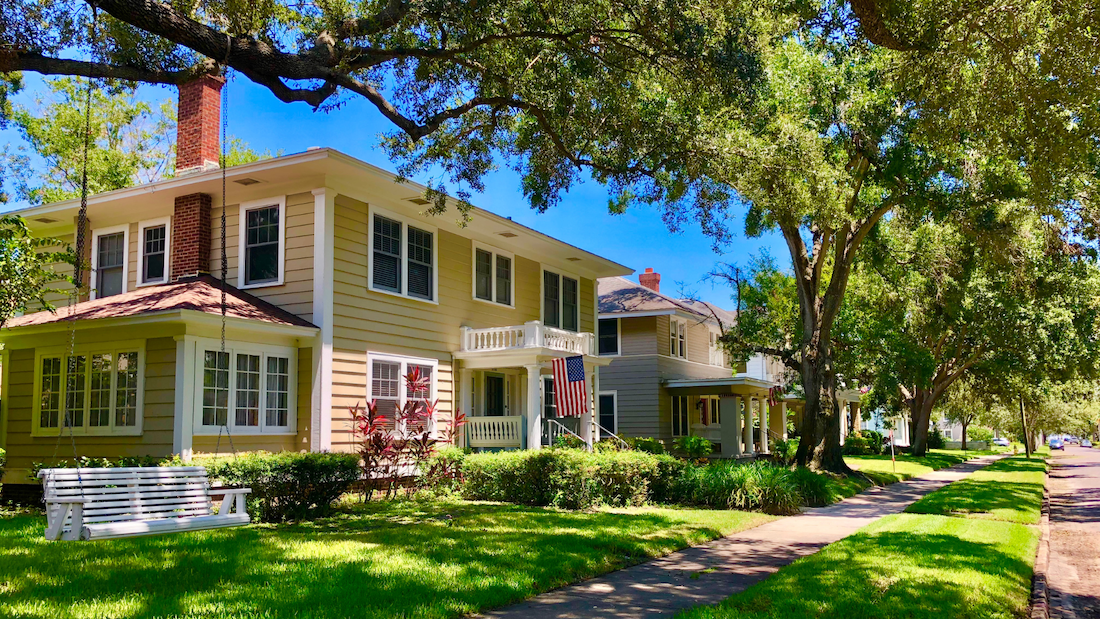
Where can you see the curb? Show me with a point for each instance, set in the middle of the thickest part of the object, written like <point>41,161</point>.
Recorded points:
<point>1040,593</point>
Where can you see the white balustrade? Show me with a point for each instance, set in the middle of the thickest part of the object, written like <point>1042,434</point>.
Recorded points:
<point>494,431</point>
<point>529,335</point>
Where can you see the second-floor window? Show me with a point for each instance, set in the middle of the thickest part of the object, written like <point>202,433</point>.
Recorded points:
<point>609,336</point>
<point>677,338</point>
<point>154,252</point>
<point>262,240</point>
<point>403,258</point>
<point>493,278</point>
<point>110,263</point>
<point>560,301</point>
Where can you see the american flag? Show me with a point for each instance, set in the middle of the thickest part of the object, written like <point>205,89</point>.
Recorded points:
<point>570,394</point>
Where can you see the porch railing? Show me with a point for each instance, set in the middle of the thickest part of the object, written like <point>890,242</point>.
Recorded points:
<point>533,334</point>
<point>494,431</point>
<point>605,432</point>
<point>552,429</point>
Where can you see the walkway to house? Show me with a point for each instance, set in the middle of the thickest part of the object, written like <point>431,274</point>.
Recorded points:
<point>710,573</point>
<point>1073,576</point>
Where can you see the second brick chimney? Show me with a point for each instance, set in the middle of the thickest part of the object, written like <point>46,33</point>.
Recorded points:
<point>650,280</point>
<point>198,125</point>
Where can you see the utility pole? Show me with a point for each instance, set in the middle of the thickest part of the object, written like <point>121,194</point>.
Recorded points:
<point>1023,423</point>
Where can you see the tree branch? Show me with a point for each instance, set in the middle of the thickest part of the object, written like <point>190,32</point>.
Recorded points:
<point>46,65</point>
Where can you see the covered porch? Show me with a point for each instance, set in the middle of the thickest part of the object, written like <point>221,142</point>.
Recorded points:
<point>505,385</point>
<point>733,412</point>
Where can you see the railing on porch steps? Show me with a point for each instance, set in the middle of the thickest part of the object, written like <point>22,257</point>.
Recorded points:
<point>604,432</point>
<point>532,334</point>
<point>552,429</point>
<point>494,431</point>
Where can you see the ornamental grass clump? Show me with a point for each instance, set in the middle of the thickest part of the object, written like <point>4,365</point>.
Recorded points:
<point>754,486</point>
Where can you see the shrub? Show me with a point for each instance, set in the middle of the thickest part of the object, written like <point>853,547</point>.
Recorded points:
<point>648,445</point>
<point>855,445</point>
<point>694,447</point>
<point>444,470</point>
<point>974,434</point>
<point>566,478</point>
<point>731,485</point>
<point>875,441</point>
<point>935,439</point>
<point>813,487</point>
<point>86,462</point>
<point>3,461</point>
<point>785,450</point>
<point>569,441</point>
<point>288,485</point>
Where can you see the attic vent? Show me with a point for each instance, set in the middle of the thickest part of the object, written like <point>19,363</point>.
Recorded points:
<point>508,235</point>
<point>418,201</point>
<point>46,220</point>
<point>246,181</point>
<point>573,259</point>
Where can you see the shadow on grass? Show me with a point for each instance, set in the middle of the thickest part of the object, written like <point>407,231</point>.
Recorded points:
<point>917,572</point>
<point>1009,489</point>
<point>412,560</point>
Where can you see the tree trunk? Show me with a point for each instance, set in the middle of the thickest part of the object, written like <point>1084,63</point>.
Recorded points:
<point>965,423</point>
<point>819,445</point>
<point>920,415</point>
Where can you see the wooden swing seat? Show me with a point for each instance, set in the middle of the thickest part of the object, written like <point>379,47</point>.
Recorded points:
<point>105,503</point>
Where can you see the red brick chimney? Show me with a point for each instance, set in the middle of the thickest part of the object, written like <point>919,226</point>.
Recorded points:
<point>650,280</point>
<point>198,125</point>
<point>190,252</point>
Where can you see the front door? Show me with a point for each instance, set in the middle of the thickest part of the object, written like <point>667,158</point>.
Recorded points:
<point>494,395</point>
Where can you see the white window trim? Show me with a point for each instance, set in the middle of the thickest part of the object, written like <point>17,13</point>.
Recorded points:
<point>672,415</point>
<point>405,223</point>
<point>493,288</point>
<point>561,295</point>
<point>615,396</point>
<point>125,229</point>
<point>152,223</point>
<point>235,348</point>
<point>88,349</point>
<point>618,338</point>
<point>674,324</point>
<point>403,391</point>
<point>252,205</point>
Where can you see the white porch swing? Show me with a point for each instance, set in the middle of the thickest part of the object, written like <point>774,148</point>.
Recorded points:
<point>105,503</point>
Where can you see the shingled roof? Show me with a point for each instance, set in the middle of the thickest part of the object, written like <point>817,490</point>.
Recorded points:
<point>199,294</point>
<point>619,295</point>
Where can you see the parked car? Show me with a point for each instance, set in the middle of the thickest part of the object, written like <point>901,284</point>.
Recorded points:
<point>1086,443</point>
<point>1001,441</point>
<point>1072,440</point>
<point>1056,443</point>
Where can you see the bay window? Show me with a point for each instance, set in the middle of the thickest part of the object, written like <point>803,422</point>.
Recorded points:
<point>96,390</point>
<point>247,388</point>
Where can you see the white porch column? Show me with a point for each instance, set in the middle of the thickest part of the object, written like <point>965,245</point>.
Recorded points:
<point>184,424</point>
<point>746,433</point>
<point>596,433</point>
<point>586,430</point>
<point>466,392</point>
<point>324,230</point>
<point>730,409</point>
<point>763,404</point>
<point>534,406</point>
<point>783,417</point>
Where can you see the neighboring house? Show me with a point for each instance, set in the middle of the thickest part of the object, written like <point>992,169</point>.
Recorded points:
<point>670,377</point>
<point>337,286</point>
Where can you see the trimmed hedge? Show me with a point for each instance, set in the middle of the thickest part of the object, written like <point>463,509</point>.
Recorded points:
<point>568,478</point>
<point>287,485</point>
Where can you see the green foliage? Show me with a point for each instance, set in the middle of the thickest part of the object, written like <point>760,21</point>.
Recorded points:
<point>935,439</point>
<point>566,478</point>
<point>754,486</point>
<point>863,443</point>
<point>978,433</point>
<point>287,485</point>
<point>569,441</point>
<point>648,445</point>
<point>444,470</point>
<point>131,141</point>
<point>694,447</point>
<point>3,461</point>
<point>785,450</point>
<point>27,266</point>
<point>1010,489</point>
<point>105,463</point>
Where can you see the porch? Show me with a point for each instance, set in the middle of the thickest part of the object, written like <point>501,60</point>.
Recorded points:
<point>733,412</point>
<point>506,388</point>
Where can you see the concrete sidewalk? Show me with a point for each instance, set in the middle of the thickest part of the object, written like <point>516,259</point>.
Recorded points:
<point>712,572</point>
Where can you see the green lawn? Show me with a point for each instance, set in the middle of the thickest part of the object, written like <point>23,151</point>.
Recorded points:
<point>1010,490</point>
<point>911,566</point>
<point>882,472</point>
<point>422,560</point>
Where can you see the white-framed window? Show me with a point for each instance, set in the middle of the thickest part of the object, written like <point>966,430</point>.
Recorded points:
<point>549,406</point>
<point>403,256</point>
<point>154,239</point>
<point>494,275</point>
<point>261,244</point>
<point>249,388</point>
<point>99,389</point>
<point>387,388</point>
<point>677,337</point>
<point>718,355</point>
<point>609,336</point>
<point>680,413</point>
<point>561,300</point>
<point>949,434</point>
<point>609,411</point>
<point>110,253</point>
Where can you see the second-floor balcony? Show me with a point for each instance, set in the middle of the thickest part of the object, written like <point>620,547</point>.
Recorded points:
<point>529,337</point>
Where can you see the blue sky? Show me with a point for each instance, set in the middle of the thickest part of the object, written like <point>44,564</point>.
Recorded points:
<point>637,239</point>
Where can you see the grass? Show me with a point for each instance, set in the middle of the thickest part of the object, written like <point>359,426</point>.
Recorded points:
<point>883,472</point>
<point>402,559</point>
<point>906,565</point>
<point>926,564</point>
<point>1010,490</point>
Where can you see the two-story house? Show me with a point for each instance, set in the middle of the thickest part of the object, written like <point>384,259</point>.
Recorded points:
<point>671,378</point>
<point>338,284</point>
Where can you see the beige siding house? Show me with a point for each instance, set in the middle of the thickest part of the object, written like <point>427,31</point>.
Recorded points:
<point>337,284</point>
